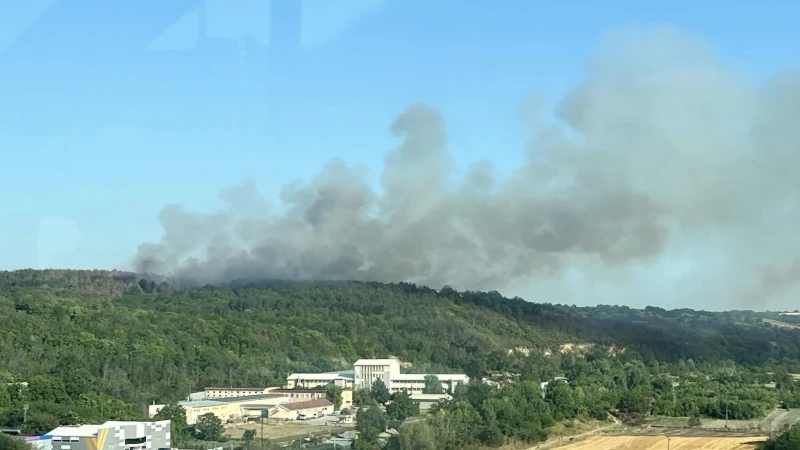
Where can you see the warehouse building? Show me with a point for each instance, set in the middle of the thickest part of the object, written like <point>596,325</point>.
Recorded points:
<point>227,409</point>
<point>112,435</point>
<point>425,401</point>
<point>314,394</point>
<point>309,408</point>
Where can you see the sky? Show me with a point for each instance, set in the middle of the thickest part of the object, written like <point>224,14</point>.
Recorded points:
<point>110,110</point>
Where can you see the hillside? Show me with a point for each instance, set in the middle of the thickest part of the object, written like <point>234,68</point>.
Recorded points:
<point>104,344</point>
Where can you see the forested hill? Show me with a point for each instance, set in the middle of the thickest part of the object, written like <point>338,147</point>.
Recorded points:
<point>111,339</point>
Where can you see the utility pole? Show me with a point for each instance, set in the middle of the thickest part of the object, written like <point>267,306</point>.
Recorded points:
<point>25,412</point>
<point>667,442</point>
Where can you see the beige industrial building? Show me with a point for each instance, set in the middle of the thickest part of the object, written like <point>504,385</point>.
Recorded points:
<point>309,408</point>
<point>228,409</point>
<point>314,394</point>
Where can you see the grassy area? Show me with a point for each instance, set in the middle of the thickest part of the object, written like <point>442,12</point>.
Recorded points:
<point>282,430</point>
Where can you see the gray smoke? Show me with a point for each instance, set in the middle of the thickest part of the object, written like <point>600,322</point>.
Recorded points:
<point>661,153</point>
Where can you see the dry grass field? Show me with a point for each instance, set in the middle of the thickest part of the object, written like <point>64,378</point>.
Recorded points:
<point>660,443</point>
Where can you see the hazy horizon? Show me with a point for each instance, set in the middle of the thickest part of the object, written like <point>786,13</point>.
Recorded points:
<point>640,157</point>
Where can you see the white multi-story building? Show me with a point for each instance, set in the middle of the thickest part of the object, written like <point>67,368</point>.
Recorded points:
<point>414,383</point>
<point>369,370</point>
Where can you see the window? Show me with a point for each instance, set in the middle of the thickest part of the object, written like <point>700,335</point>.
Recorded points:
<point>140,440</point>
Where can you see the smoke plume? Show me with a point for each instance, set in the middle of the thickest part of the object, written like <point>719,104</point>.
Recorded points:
<point>662,153</point>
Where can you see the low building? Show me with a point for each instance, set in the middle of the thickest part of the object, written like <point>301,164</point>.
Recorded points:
<point>221,392</point>
<point>343,379</point>
<point>290,410</point>
<point>112,435</point>
<point>425,401</point>
<point>313,394</point>
<point>414,383</point>
<point>227,409</point>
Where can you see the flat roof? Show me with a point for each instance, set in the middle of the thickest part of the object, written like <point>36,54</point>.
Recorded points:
<point>235,388</point>
<point>421,376</point>
<point>75,431</point>
<point>247,398</point>
<point>346,374</point>
<point>200,403</point>
<point>376,362</point>
<point>296,406</point>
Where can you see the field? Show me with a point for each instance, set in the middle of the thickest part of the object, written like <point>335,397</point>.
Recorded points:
<point>660,443</point>
<point>283,430</point>
<point>775,421</point>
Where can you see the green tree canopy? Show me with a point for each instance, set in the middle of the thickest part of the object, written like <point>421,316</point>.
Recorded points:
<point>432,385</point>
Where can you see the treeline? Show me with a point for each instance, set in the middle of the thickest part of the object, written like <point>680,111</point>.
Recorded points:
<point>94,345</point>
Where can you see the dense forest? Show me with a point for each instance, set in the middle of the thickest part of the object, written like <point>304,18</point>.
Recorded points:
<point>98,345</point>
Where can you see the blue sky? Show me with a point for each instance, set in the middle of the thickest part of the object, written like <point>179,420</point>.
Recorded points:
<point>107,114</point>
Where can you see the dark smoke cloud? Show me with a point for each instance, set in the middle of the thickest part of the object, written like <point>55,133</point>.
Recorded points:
<point>660,154</point>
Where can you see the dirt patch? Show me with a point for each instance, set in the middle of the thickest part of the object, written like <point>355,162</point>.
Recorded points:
<point>660,443</point>
<point>780,324</point>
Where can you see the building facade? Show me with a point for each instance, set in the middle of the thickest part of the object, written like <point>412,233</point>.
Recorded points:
<point>299,395</point>
<point>343,379</point>
<point>221,392</point>
<point>112,435</point>
<point>227,409</point>
<point>367,371</point>
<point>319,407</point>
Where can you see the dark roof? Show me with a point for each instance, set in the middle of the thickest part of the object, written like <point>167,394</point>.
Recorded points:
<point>245,398</point>
<point>295,406</point>
<point>299,391</point>
<point>235,388</point>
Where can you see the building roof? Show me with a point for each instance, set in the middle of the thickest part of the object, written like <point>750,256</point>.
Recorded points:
<point>201,403</point>
<point>421,377</point>
<point>297,406</point>
<point>326,376</point>
<point>75,431</point>
<point>376,362</point>
<point>235,388</point>
<point>299,391</point>
<point>430,397</point>
<point>228,400</point>
<point>248,398</point>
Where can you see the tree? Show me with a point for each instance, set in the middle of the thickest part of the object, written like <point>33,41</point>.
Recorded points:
<point>402,407</point>
<point>380,392</point>
<point>176,414</point>
<point>363,398</point>
<point>416,436</point>
<point>9,443</point>
<point>560,396</point>
<point>790,440</point>
<point>334,395</point>
<point>249,436</point>
<point>370,422</point>
<point>432,385</point>
<point>209,428</point>
<point>694,421</point>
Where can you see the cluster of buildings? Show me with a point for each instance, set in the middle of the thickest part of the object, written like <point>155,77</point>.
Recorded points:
<point>305,393</point>
<point>367,371</point>
<point>112,435</point>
